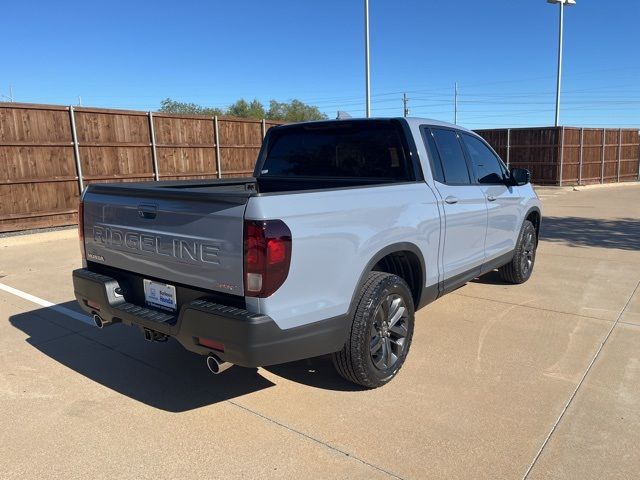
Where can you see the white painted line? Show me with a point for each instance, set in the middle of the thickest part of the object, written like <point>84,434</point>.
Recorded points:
<point>44,303</point>
<point>575,391</point>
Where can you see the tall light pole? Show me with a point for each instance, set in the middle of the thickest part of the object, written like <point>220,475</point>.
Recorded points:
<point>366,61</point>
<point>562,3</point>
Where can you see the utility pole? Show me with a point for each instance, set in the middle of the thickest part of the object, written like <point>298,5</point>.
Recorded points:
<point>562,3</point>
<point>366,60</point>
<point>405,103</point>
<point>10,97</point>
<point>79,101</point>
<point>455,103</point>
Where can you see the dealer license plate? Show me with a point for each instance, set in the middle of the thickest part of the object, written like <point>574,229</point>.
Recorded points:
<point>160,295</point>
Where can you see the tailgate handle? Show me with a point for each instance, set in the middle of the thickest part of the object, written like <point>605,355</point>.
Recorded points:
<point>147,211</point>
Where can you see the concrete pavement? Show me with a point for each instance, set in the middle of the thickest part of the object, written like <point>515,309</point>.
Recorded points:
<point>539,380</point>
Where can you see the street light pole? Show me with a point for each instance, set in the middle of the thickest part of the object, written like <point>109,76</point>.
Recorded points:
<point>559,79</point>
<point>366,60</point>
<point>560,40</point>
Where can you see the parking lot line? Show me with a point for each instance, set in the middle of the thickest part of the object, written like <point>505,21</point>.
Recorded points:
<point>84,318</point>
<point>45,303</point>
<point>575,391</point>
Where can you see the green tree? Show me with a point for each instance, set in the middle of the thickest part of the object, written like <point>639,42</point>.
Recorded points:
<point>244,109</point>
<point>294,111</point>
<point>171,106</point>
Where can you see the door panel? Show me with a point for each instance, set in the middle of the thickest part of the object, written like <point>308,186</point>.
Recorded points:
<point>463,204</point>
<point>503,201</point>
<point>465,226</point>
<point>504,212</point>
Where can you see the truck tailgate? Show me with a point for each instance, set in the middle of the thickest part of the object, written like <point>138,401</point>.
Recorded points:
<point>190,235</point>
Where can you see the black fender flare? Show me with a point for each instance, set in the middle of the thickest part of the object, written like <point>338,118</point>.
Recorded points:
<point>389,249</point>
<point>529,212</point>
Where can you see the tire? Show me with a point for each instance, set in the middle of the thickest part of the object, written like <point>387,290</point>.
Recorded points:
<point>519,269</point>
<point>381,332</point>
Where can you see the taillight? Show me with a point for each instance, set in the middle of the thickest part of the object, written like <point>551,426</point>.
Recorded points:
<point>207,342</point>
<point>81,229</point>
<point>267,255</point>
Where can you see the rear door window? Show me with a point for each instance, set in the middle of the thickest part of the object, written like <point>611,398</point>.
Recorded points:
<point>451,155</point>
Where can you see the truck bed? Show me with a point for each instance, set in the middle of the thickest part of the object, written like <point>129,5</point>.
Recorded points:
<point>184,232</point>
<point>191,232</point>
<point>239,188</point>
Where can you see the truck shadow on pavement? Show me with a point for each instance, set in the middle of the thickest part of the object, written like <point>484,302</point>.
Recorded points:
<point>161,375</point>
<point>316,372</point>
<point>491,278</point>
<point>622,233</point>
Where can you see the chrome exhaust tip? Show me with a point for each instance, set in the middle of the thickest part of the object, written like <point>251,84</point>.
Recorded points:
<point>100,322</point>
<point>217,366</point>
<point>97,320</point>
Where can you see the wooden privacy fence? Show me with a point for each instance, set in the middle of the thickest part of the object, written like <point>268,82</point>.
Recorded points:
<point>48,153</point>
<point>570,155</point>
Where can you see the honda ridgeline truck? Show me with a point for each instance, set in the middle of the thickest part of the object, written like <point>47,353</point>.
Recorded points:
<point>345,230</point>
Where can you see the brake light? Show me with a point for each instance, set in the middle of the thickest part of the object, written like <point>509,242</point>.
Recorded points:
<point>267,256</point>
<point>81,229</point>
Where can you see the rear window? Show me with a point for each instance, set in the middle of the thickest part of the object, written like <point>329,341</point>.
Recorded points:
<point>351,149</point>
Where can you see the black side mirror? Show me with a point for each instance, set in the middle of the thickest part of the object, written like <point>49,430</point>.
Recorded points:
<point>519,176</point>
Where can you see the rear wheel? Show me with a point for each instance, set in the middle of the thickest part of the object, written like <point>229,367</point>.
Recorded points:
<point>381,332</point>
<point>520,268</point>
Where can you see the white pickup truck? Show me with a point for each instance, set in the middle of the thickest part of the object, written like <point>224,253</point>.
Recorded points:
<point>345,230</point>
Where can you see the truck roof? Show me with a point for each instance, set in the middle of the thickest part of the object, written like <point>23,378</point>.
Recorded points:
<point>430,121</point>
<point>412,121</point>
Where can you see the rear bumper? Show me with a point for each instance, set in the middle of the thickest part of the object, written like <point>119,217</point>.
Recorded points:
<point>249,339</point>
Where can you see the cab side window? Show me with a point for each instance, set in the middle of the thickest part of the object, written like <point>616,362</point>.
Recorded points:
<point>448,151</point>
<point>488,167</point>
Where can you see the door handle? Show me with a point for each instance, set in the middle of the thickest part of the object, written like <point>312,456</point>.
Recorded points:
<point>491,198</point>
<point>451,199</point>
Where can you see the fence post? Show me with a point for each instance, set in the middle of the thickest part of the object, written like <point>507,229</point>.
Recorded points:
<point>76,148</point>
<point>604,145</point>
<point>508,146</point>
<point>561,155</point>
<point>154,155</point>
<point>581,150</point>
<point>619,152</point>
<point>216,135</point>
<point>263,125</point>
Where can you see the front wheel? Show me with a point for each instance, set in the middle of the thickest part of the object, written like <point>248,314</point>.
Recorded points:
<point>520,268</point>
<point>381,332</point>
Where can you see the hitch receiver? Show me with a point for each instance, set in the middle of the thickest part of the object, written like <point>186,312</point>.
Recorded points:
<point>153,336</point>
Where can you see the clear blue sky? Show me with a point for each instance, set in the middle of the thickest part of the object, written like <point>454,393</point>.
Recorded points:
<point>502,53</point>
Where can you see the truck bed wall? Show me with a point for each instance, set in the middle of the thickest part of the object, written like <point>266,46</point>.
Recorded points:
<point>335,235</point>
